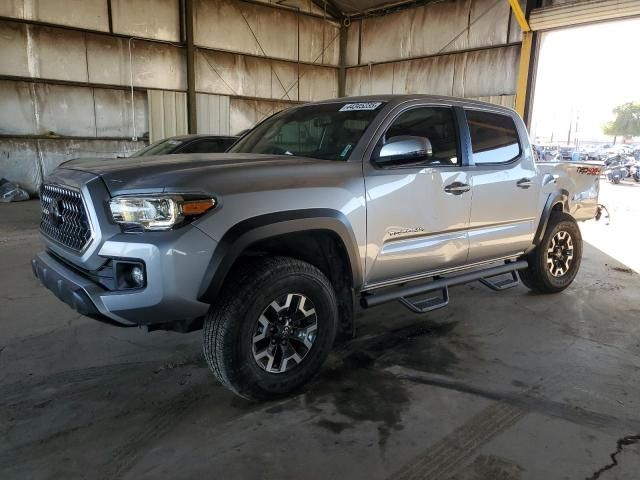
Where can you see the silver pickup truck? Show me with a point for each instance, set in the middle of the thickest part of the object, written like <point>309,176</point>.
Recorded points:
<point>319,210</point>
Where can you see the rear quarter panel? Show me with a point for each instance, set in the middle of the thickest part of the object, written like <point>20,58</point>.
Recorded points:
<point>580,180</point>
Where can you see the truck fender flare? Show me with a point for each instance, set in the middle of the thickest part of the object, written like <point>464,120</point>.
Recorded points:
<point>555,198</point>
<point>247,232</point>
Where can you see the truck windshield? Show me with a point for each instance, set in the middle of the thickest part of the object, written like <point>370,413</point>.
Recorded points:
<point>328,131</point>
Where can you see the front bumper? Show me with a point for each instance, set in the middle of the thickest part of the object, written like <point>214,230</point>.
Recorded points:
<point>73,289</point>
<point>175,264</point>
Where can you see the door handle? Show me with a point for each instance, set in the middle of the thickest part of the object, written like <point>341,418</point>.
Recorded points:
<point>524,183</point>
<point>457,188</point>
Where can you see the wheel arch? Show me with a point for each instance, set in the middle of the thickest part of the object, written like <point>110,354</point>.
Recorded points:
<point>556,201</point>
<point>255,231</point>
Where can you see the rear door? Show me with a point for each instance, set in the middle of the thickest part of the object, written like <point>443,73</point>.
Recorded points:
<point>417,214</point>
<point>504,183</point>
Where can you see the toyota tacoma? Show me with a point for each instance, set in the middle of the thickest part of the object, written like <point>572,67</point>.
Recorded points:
<point>319,210</point>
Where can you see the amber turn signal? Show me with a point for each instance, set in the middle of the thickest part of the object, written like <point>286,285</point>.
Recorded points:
<point>192,208</point>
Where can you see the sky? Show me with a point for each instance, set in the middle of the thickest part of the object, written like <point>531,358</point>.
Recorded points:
<point>583,73</point>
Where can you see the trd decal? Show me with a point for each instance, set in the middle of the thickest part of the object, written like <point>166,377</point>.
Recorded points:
<point>588,170</point>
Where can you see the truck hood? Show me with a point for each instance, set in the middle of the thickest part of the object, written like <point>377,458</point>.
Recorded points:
<point>212,173</point>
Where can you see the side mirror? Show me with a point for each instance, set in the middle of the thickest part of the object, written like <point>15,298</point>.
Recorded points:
<point>404,149</point>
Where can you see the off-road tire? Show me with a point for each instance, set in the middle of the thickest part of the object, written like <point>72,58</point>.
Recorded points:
<point>229,326</point>
<point>538,277</point>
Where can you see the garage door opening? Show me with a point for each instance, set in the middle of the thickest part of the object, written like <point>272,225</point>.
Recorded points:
<point>583,74</point>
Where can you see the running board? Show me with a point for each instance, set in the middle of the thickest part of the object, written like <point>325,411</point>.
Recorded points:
<point>403,294</point>
<point>502,284</point>
<point>428,304</point>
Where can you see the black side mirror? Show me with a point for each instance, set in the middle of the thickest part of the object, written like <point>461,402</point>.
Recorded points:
<point>404,149</point>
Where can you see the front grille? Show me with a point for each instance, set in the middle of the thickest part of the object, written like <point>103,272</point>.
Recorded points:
<point>64,218</point>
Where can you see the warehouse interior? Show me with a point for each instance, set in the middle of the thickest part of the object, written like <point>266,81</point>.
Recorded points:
<point>509,386</point>
<point>113,75</point>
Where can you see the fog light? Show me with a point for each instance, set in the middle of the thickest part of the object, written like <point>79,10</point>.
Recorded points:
<point>137,275</point>
<point>129,275</point>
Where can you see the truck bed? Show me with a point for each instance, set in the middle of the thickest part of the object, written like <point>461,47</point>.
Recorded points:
<point>580,182</point>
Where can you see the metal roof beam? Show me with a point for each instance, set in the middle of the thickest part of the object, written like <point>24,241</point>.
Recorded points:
<point>329,7</point>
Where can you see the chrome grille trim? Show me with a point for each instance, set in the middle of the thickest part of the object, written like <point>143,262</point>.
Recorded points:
<point>64,217</point>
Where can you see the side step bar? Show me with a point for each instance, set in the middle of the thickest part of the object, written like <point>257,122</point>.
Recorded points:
<point>442,284</point>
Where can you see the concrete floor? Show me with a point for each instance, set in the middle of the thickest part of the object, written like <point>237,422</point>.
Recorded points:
<point>497,386</point>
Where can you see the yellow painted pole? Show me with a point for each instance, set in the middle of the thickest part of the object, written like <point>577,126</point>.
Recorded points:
<point>520,15</point>
<point>525,56</point>
<point>523,72</point>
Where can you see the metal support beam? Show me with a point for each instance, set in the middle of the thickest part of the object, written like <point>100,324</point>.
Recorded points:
<point>192,117</point>
<point>329,8</point>
<point>342,62</point>
<point>520,15</point>
<point>523,87</point>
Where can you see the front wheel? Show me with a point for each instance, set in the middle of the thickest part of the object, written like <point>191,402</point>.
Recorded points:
<point>554,263</point>
<point>272,328</point>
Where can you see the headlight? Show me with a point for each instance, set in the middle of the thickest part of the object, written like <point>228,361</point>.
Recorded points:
<point>157,213</point>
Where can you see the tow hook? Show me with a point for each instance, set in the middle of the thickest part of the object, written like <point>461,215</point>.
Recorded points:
<point>603,210</point>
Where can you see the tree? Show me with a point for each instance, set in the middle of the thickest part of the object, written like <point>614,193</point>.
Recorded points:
<point>627,121</point>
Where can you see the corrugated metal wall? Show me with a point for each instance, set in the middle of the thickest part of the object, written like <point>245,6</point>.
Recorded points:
<point>167,114</point>
<point>213,114</point>
<point>464,48</point>
<point>67,67</point>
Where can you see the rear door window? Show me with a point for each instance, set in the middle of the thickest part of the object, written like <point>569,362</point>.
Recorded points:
<point>494,137</point>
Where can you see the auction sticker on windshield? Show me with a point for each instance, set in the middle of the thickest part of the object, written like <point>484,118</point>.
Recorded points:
<point>350,107</point>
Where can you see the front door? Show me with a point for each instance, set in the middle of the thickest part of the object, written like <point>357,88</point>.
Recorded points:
<point>417,213</point>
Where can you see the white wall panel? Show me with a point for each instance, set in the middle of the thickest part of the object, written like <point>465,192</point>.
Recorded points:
<point>460,75</point>
<point>89,14</point>
<point>319,40</point>
<point>17,114</point>
<point>502,63</point>
<point>353,43</point>
<point>61,54</point>
<point>36,109</point>
<point>245,113</point>
<point>157,19</point>
<point>431,29</point>
<point>167,114</point>
<point>13,54</point>
<point>65,110</point>
<point>317,83</point>
<point>42,52</point>
<point>488,23</point>
<point>114,117</point>
<point>155,65</point>
<point>213,114</point>
<point>240,75</point>
<point>260,30</point>
<point>25,160</point>
<point>414,32</point>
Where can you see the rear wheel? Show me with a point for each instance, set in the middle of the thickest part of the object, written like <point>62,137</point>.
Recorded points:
<point>554,264</point>
<point>272,328</point>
